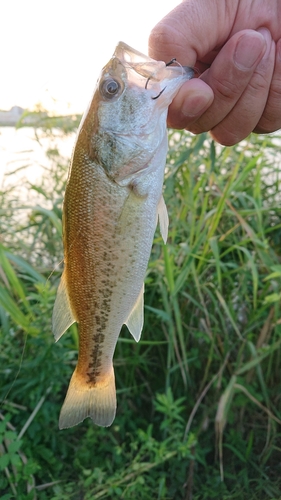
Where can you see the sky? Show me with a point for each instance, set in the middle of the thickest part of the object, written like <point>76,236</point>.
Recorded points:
<point>52,51</point>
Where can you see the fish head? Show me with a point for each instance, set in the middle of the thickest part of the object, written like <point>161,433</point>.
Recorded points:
<point>126,120</point>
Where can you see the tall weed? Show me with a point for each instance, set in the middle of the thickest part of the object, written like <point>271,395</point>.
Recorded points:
<point>199,396</point>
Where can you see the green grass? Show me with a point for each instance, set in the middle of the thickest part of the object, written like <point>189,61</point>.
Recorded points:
<point>199,396</point>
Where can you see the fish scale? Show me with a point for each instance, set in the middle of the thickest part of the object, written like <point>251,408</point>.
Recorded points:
<point>112,201</point>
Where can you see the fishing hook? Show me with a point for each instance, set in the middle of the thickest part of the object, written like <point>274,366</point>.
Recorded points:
<point>171,61</point>
<point>161,92</point>
<point>149,78</point>
<point>146,83</point>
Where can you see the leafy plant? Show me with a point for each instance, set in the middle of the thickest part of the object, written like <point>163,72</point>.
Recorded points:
<point>199,396</point>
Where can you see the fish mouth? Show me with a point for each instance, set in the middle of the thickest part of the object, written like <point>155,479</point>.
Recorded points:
<point>155,73</point>
<point>189,72</point>
<point>141,63</point>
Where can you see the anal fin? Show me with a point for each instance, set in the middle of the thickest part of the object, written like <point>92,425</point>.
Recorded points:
<point>63,316</point>
<point>135,318</point>
<point>163,219</point>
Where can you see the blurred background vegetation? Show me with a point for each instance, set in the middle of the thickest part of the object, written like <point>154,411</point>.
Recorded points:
<point>199,408</point>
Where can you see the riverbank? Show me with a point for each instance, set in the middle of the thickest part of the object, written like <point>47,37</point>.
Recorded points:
<point>19,117</point>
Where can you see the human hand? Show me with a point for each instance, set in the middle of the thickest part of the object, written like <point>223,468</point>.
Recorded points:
<point>236,46</point>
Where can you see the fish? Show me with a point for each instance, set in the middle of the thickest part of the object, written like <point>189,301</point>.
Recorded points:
<point>113,200</point>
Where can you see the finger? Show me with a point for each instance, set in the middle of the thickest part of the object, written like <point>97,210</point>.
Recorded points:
<point>271,117</point>
<point>192,100</point>
<point>230,75</point>
<point>242,119</point>
<point>227,77</point>
<point>177,34</point>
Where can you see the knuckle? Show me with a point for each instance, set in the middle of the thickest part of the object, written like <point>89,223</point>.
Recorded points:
<point>158,36</point>
<point>162,37</point>
<point>258,84</point>
<point>271,116</point>
<point>226,89</point>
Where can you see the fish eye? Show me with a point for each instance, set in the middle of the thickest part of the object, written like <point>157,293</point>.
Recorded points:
<point>109,88</point>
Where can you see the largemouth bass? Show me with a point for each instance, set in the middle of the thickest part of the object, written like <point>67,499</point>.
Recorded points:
<point>112,201</point>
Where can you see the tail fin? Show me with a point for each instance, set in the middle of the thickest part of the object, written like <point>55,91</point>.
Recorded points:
<point>98,402</point>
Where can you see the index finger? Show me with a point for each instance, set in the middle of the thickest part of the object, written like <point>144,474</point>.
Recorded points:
<point>192,30</point>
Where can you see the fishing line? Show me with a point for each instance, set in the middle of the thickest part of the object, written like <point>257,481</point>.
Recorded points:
<point>175,61</point>
<point>54,269</point>
<point>183,67</point>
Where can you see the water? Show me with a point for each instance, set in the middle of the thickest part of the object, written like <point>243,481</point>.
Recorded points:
<point>23,156</point>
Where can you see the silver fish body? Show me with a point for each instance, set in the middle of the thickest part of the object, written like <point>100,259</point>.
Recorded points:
<point>112,201</point>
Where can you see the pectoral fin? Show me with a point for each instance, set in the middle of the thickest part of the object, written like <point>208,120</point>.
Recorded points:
<point>63,316</point>
<point>135,319</point>
<point>163,219</point>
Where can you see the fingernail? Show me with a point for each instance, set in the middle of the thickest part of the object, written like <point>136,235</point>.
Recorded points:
<point>249,50</point>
